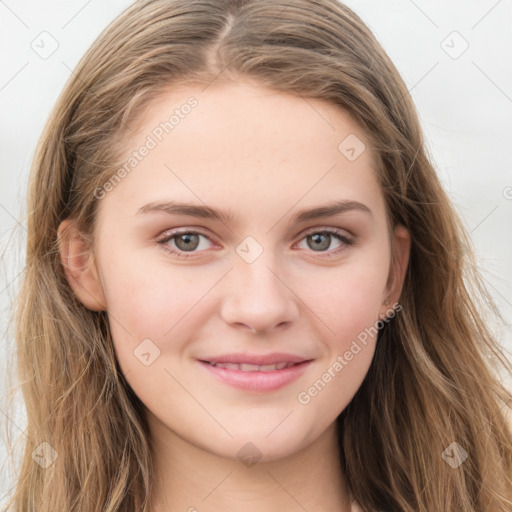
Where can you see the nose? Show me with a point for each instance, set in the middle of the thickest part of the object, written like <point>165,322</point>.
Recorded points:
<point>258,296</point>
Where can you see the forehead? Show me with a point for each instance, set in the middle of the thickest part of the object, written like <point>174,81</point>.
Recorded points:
<point>247,146</point>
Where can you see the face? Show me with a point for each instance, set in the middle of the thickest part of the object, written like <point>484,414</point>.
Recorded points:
<point>217,246</point>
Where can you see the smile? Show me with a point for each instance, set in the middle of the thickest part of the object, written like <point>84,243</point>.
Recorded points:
<point>245,367</point>
<point>256,378</point>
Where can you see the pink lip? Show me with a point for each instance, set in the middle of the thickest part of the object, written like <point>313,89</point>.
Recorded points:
<point>273,358</point>
<point>257,381</point>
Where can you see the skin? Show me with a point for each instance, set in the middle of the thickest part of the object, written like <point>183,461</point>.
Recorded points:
<point>262,155</point>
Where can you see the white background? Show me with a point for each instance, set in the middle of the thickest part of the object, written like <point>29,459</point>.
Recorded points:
<point>465,106</point>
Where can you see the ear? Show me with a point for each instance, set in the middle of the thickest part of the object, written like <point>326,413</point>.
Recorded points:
<point>398,268</point>
<point>80,267</point>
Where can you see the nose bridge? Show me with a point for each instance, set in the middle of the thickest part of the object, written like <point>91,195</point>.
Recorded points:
<point>255,267</point>
<point>258,296</point>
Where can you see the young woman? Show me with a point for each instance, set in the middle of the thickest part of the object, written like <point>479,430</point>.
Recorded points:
<point>245,288</point>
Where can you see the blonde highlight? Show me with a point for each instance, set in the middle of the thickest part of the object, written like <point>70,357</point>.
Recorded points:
<point>76,397</point>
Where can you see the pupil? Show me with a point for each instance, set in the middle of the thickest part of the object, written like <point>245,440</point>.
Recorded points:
<point>318,242</point>
<point>187,241</point>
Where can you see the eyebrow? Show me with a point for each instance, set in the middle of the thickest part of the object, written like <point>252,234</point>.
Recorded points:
<point>205,212</point>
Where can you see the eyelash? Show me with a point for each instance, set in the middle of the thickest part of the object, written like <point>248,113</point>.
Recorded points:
<point>323,254</point>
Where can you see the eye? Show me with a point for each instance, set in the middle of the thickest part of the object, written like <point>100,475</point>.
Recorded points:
<point>186,241</point>
<point>321,240</point>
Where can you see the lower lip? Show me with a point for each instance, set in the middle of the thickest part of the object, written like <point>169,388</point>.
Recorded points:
<point>258,381</point>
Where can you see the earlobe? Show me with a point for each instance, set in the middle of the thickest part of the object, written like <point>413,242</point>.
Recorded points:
<point>400,261</point>
<point>80,267</point>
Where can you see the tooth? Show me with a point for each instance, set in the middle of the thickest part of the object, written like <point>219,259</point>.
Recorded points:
<point>231,366</point>
<point>249,367</point>
<point>246,367</point>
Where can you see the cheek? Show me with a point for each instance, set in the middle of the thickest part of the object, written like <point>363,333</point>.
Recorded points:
<point>148,303</point>
<point>171,305</point>
<point>350,350</point>
<point>349,307</point>
<point>348,299</point>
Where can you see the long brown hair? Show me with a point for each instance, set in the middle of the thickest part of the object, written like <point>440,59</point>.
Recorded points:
<point>432,381</point>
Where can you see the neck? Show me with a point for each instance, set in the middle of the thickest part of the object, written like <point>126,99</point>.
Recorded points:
<point>192,479</point>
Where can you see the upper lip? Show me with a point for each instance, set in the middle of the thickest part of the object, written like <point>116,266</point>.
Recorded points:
<point>256,359</point>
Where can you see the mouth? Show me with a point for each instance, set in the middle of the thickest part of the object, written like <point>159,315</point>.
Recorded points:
<point>246,367</point>
<point>256,377</point>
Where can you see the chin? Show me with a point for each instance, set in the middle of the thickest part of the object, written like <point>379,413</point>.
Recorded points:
<point>251,447</point>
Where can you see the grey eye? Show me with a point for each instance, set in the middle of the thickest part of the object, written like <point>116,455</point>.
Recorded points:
<point>187,241</point>
<point>319,241</point>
